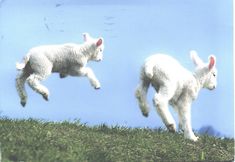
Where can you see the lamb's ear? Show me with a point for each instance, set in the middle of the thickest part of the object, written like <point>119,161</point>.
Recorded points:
<point>212,61</point>
<point>99,42</point>
<point>196,60</point>
<point>86,37</point>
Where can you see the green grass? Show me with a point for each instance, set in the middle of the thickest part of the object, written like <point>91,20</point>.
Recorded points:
<point>33,140</point>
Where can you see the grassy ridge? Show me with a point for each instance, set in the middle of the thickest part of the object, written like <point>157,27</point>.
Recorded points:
<point>33,140</point>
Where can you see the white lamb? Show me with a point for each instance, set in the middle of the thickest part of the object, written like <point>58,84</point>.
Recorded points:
<point>65,59</point>
<point>176,86</point>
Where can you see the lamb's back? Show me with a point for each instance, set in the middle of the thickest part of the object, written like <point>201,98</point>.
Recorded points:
<point>167,69</point>
<point>61,56</point>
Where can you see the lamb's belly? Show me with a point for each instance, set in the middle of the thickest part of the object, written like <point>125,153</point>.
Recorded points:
<point>177,97</point>
<point>164,81</point>
<point>174,100</point>
<point>60,67</point>
<point>174,89</point>
<point>67,69</point>
<point>155,84</point>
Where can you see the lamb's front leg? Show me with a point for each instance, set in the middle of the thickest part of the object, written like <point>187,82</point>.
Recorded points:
<point>185,116</point>
<point>86,71</point>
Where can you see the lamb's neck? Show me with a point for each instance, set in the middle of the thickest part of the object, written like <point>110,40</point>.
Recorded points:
<point>199,80</point>
<point>195,86</point>
<point>87,51</point>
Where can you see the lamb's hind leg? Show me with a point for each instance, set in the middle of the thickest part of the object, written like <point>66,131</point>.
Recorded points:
<point>160,101</point>
<point>141,93</point>
<point>34,83</point>
<point>20,87</point>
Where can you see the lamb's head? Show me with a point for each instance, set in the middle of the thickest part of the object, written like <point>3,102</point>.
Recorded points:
<point>97,47</point>
<point>206,73</point>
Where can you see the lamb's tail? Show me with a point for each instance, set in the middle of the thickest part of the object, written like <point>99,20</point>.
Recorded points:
<point>21,66</point>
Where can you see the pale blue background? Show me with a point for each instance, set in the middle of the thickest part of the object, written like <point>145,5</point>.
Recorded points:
<point>132,30</point>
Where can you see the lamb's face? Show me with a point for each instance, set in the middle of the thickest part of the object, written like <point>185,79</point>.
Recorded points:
<point>211,79</point>
<point>207,72</point>
<point>98,54</point>
<point>97,47</point>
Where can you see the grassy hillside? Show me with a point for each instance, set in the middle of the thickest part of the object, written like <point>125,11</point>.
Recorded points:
<point>33,140</point>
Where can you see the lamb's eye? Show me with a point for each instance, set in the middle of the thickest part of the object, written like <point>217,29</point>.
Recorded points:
<point>214,74</point>
<point>101,50</point>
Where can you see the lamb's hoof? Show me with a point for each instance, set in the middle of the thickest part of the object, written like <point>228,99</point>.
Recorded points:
<point>62,76</point>
<point>145,114</point>
<point>171,128</point>
<point>194,139</point>
<point>96,84</point>
<point>23,103</point>
<point>45,97</point>
<point>97,88</point>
